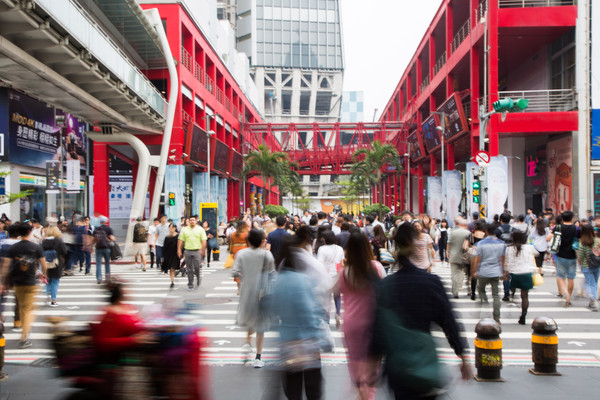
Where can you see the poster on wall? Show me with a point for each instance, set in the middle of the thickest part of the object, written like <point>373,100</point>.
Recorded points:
<point>33,138</point>
<point>434,196</point>
<point>120,195</point>
<point>497,186</point>
<point>472,207</point>
<point>52,177</point>
<point>453,189</point>
<point>560,169</point>
<point>596,193</point>
<point>3,125</point>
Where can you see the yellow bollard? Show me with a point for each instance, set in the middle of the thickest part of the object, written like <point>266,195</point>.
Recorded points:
<point>488,351</point>
<point>544,346</point>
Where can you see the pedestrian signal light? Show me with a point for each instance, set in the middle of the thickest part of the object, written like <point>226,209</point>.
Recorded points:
<point>476,191</point>
<point>476,199</point>
<point>171,198</point>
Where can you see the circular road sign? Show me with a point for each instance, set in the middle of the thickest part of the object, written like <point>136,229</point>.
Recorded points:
<point>482,158</point>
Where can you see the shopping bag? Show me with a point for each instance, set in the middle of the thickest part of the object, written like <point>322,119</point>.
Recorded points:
<point>538,279</point>
<point>229,261</point>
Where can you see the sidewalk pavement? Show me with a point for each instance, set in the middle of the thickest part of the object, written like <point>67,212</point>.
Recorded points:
<point>236,382</point>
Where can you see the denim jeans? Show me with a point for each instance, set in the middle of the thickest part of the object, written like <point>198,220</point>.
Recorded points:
<point>159,256</point>
<point>88,261</point>
<point>102,254</point>
<point>591,282</point>
<point>75,257</point>
<point>52,287</point>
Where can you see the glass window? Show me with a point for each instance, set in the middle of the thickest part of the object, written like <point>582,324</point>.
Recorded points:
<point>304,3</point>
<point>313,26</point>
<point>286,3</point>
<point>295,3</point>
<point>268,57</point>
<point>277,3</point>
<point>259,13</point>
<point>259,24</point>
<point>304,37</point>
<point>277,25</point>
<point>268,48</point>
<point>287,25</point>
<point>268,3</point>
<point>268,24</point>
<point>277,48</point>
<point>313,37</point>
<point>269,36</point>
<point>313,4</point>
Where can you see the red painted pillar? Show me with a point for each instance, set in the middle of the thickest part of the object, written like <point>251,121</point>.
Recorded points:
<point>402,194</point>
<point>449,156</point>
<point>101,184</point>
<point>493,73</point>
<point>420,189</point>
<point>151,189</point>
<point>433,165</point>
<point>474,78</point>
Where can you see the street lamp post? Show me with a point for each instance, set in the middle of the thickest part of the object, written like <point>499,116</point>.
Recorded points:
<point>442,130</point>
<point>408,175</point>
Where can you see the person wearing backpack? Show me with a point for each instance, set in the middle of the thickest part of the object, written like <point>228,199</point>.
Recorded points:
<point>589,259</point>
<point>566,258</point>
<point>503,232</point>
<point>140,241</point>
<point>55,253</point>
<point>103,235</point>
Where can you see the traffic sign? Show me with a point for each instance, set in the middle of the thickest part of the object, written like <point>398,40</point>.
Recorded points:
<point>482,158</point>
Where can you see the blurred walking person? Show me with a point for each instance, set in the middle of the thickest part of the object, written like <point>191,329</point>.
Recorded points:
<point>589,246</point>
<point>103,235</point>
<point>407,303</point>
<point>171,261</point>
<point>537,237</point>
<point>237,242</point>
<point>356,283</point>
<point>191,244</point>
<point>457,245</point>
<point>423,253</point>
<point>252,266</point>
<point>55,253</point>
<point>331,256</point>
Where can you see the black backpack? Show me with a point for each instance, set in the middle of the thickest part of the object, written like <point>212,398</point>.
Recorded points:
<point>101,238</point>
<point>593,259</point>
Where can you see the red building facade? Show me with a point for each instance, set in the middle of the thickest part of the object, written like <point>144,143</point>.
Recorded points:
<point>530,54</point>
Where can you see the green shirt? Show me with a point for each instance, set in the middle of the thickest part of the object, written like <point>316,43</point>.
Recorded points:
<point>584,252</point>
<point>192,238</point>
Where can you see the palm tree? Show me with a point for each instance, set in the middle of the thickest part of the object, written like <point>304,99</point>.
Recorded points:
<point>273,166</point>
<point>368,164</point>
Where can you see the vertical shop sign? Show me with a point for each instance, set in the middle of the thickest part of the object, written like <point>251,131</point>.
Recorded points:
<point>453,190</point>
<point>73,175</point>
<point>560,175</point>
<point>52,176</point>
<point>595,89</point>
<point>497,186</point>
<point>434,196</point>
<point>596,193</point>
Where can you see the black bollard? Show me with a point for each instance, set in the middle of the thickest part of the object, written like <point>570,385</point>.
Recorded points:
<point>3,376</point>
<point>488,351</point>
<point>544,346</point>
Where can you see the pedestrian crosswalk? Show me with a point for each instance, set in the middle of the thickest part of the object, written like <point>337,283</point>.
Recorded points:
<point>215,305</point>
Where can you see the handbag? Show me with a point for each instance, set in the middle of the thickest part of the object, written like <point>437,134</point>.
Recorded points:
<point>538,279</point>
<point>411,355</point>
<point>300,355</point>
<point>115,251</point>
<point>229,261</point>
<point>385,256</point>
<point>466,252</point>
<point>556,239</point>
<point>594,257</point>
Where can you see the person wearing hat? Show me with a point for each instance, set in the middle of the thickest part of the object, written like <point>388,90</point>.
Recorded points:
<point>140,241</point>
<point>103,235</point>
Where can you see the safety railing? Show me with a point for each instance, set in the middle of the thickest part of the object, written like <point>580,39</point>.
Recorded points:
<point>186,58</point>
<point>552,100</point>
<point>424,83</point>
<point>481,9</point>
<point>439,63</point>
<point>461,35</point>
<point>199,73</point>
<point>209,84</point>
<point>535,3</point>
<point>220,96</point>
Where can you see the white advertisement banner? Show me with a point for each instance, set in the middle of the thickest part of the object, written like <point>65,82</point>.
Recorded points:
<point>453,189</point>
<point>434,197</point>
<point>120,196</point>
<point>73,175</point>
<point>497,186</point>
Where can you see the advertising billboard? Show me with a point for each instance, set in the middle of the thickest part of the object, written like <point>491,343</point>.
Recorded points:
<point>456,120</point>
<point>560,174</point>
<point>220,157</point>
<point>196,146</point>
<point>431,136</point>
<point>237,164</point>
<point>33,137</point>
<point>416,148</point>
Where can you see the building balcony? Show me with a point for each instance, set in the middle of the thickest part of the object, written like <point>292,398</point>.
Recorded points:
<point>461,35</point>
<point>552,100</point>
<point>186,59</point>
<point>535,3</point>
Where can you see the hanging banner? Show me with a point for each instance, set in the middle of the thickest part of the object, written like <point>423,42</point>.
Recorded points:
<point>497,186</point>
<point>434,196</point>
<point>595,82</point>
<point>73,175</point>
<point>472,207</point>
<point>120,196</point>
<point>52,176</point>
<point>560,173</point>
<point>596,193</point>
<point>453,190</point>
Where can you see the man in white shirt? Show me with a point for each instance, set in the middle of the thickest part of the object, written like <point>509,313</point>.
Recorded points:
<point>152,242</point>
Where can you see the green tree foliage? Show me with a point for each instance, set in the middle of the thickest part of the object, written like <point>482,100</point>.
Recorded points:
<point>274,211</point>
<point>369,163</point>
<point>376,208</point>
<point>12,197</point>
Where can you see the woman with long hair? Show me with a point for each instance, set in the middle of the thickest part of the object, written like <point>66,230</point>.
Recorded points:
<point>538,236</point>
<point>442,240</point>
<point>587,244</point>
<point>237,242</point>
<point>55,253</point>
<point>378,241</point>
<point>356,283</point>
<point>301,313</point>
<point>423,253</point>
<point>210,234</point>
<point>519,262</point>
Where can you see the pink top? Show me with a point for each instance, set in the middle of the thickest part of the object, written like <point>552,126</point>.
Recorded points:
<point>422,251</point>
<point>359,314</point>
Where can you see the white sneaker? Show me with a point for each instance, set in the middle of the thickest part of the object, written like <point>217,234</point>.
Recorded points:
<point>136,266</point>
<point>246,348</point>
<point>259,363</point>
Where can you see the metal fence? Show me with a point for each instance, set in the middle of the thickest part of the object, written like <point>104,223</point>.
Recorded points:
<point>535,3</point>
<point>552,100</point>
<point>439,63</point>
<point>461,35</point>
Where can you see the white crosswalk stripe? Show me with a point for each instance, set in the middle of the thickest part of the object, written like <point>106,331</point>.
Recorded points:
<point>215,308</point>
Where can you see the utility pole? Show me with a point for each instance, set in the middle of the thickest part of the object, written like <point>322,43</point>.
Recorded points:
<point>442,130</point>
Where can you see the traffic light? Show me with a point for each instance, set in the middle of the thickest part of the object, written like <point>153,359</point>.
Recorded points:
<point>476,191</point>
<point>171,198</point>
<point>510,105</point>
<point>503,105</point>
